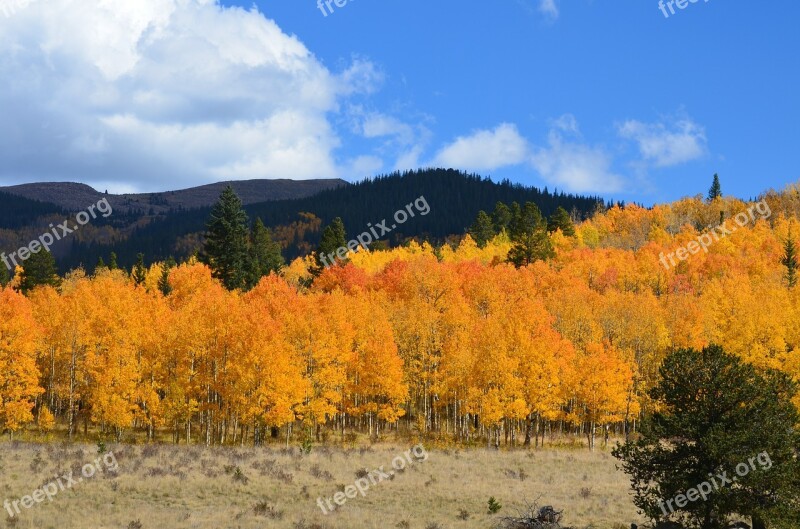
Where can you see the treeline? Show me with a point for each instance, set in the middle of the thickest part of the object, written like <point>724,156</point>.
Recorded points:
<point>17,212</point>
<point>455,198</point>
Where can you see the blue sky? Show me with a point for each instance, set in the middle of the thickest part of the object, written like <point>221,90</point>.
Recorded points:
<point>590,96</point>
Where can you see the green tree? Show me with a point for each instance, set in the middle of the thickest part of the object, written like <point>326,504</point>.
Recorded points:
<point>112,261</point>
<point>482,230</point>
<point>789,260</point>
<point>501,217</point>
<point>531,247</point>
<point>715,415</point>
<point>226,247</point>
<point>5,276</point>
<point>100,264</point>
<point>526,220</point>
<point>163,281</point>
<point>560,220</point>
<point>265,253</point>
<point>139,273</point>
<point>515,224</point>
<point>715,191</point>
<point>334,237</point>
<point>39,270</point>
<point>529,236</point>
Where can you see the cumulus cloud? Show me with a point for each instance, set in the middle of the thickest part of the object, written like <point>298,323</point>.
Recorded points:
<point>569,164</point>
<point>576,167</point>
<point>166,93</point>
<point>485,149</point>
<point>665,145</point>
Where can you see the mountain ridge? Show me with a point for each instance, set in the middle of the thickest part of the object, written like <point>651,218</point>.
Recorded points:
<point>75,196</point>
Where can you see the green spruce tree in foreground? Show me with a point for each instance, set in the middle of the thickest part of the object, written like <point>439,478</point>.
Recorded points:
<point>265,254</point>
<point>715,191</point>
<point>716,414</point>
<point>334,237</point>
<point>163,281</point>
<point>560,220</point>
<point>789,260</point>
<point>501,217</point>
<point>529,236</point>
<point>5,275</point>
<point>482,230</point>
<point>226,248</point>
<point>139,273</point>
<point>39,270</point>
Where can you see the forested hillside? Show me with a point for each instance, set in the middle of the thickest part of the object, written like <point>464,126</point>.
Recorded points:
<point>454,197</point>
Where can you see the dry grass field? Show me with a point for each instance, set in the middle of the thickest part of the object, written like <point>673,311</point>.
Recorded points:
<point>168,487</point>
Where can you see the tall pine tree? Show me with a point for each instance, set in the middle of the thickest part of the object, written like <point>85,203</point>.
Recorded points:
<point>560,220</point>
<point>39,270</point>
<point>265,253</point>
<point>139,273</point>
<point>715,191</point>
<point>334,237</point>
<point>163,281</point>
<point>226,248</point>
<point>482,230</point>
<point>501,217</point>
<point>529,236</point>
<point>789,260</point>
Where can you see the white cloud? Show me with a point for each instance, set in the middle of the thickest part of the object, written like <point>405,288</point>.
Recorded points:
<point>166,93</point>
<point>576,167</point>
<point>567,123</point>
<point>377,125</point>
<point>666,145</point>
<point>485,149</point>
<point>569,165</point>
<point>549,8</point>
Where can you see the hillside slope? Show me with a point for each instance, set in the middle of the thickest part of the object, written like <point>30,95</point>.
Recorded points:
<point>75,197</point>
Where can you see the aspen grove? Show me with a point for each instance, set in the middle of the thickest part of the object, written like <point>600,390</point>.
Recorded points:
<point>450,343</point>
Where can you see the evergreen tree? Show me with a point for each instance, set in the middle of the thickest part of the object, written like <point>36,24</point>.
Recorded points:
<point>789,260</point>
<point>501,217</point>
<point>112,262</point>
<point>163,281</point>
<point>531,247</point>
<point>334,237</point>
<point>226,248</point>
<point>265,253</point>
<point>716,190</point>
<point>39,270</point>
<point>560,220</point>
<point>5,275</point>
<point>100,264</point>
<point>139,273</point>
<point>715,414</point>
<point>529,236</point>
<point>482,229</point>
<point>515,228</point>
